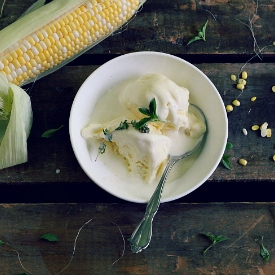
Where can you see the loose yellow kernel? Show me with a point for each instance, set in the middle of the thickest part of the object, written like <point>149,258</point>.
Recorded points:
<point>240,86</point>
<point>244,75</point>
<point>242,81</point>
<point>268,132</point>
<point>236,102</point>
<point>273,157</point>
<point>243,162</point>
<point>255,127</point>
<point>233,77</point>
<point>253,98</point>
<point>273,89</point>
<point>229,108</point>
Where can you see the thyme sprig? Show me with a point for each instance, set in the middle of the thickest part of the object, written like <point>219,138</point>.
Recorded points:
<point>141,126</point>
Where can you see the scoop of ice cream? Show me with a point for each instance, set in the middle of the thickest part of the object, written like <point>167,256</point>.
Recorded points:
<point>145,154</point>
<point>171,99</point>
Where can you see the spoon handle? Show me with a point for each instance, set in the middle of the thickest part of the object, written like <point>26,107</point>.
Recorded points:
<point>141,236</point>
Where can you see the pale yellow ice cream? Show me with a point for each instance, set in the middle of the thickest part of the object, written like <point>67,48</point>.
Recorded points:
<point>172,100</point>
<point>146,154</point>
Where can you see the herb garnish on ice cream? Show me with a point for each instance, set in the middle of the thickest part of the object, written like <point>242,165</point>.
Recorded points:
<point>141,125</point>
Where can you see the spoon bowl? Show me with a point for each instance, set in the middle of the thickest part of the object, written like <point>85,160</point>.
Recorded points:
<point>141,236</point>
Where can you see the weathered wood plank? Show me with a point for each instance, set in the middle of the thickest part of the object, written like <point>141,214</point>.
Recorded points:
<point>167,26</point>
<point>176,246</point>
<point>52,98</point>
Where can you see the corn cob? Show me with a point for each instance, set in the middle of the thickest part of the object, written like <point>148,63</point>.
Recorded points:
<point>53,35</point>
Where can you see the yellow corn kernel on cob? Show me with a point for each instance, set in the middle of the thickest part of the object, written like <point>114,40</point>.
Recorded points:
<point>53,35</point>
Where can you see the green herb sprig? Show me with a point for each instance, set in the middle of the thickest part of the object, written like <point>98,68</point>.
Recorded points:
<point>263,251</point>
<point>141,125</point>
<point>152,116</point>
<point>201,34</point>
<point>214,240</point>
<point>226,157</point>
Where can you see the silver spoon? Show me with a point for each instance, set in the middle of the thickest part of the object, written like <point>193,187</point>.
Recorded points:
<point>141,236</point>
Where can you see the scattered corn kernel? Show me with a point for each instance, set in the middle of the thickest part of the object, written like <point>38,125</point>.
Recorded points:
<point>233,77</point>
<point>242,81</point>
<point>236,102</point>
<point>263,129</point>
<point>268,132</point>
<point>244,131</point>
<point>264,125</point>
<point>240,86</point>
<point>243,162</point>
<point>229,108</point>
<point>273,157</point>
<point>244,75</point>
<point>273,89</point>
<point>253,98</point>
<point>255,127</point>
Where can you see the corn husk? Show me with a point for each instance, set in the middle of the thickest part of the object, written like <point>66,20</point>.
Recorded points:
<point>15,123</point>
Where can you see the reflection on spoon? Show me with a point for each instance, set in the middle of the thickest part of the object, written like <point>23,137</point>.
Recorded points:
<point>141,236</point>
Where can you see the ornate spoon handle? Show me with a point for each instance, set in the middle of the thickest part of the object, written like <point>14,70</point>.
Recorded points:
<point>141,236</point>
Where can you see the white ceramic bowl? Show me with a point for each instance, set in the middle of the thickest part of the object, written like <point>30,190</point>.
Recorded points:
<point>202,93</point>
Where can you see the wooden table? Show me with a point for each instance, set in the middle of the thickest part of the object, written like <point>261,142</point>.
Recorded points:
<point>237,203</point>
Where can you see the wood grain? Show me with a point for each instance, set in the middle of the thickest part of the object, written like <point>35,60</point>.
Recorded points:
<point>52,98</point>
<point>167,26</point>
<point>176,246</point>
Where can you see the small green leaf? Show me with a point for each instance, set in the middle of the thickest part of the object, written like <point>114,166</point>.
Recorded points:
<point>49,237</point>
<point>204,29</point>
<point>49,133</point>
<point>153,107</point>
<point>144,111</point>
<point>263,251</point>
<point>226,158</point>
<point>141,123</point>
<point>1,243</point>
<point>226,161</point>
<point>214,240</point>
<point>201,34</point>
<point>193,39</point>
<point>228,146</point>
